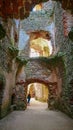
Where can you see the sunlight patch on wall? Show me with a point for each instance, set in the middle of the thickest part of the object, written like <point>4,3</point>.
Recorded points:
<point>40,47</point>
<point>38,7</point>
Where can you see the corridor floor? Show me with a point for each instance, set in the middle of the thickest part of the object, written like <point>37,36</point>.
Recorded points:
<point>36,117</point>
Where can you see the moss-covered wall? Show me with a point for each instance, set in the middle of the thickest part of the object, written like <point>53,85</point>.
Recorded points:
<point>8,68</point>
<point>4,59</point>
<point>47,70</point>
<point>4,68</point>
<point>65,45</point>
<point>7,92</point>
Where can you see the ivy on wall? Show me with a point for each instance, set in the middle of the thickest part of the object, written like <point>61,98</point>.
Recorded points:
<point>13,51</point>
<point>2,32</point>
<point>52,60</point>
<point>22,61</point>
<point>2,81</point>
<point>71,34</point>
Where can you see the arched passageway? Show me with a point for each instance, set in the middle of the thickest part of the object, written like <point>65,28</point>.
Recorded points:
<point>51,93</point>
<point>40,70</point>
<point>21,96</point>
<point>37,96</point>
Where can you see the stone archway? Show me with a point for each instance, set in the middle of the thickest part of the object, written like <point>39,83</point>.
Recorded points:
<point>37,70</point>
<point>52,90</point>
<point>34,80</point>
<point>21,100</point>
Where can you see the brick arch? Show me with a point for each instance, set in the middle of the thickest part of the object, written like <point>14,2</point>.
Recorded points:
<point>34,80</point>
<point>50,85</point>
<point>38,80</point>
<point>37,70</point>
<point>51,88</point>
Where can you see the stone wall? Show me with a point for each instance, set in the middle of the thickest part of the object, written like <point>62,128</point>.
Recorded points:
<point>37,69</point>
<point>4,68</point>
<point>7,92</point>
<point>65,45</point>
<point>20,90</point>
<point>8,68</point>
<point>40,71</point>
<point>25,52</point>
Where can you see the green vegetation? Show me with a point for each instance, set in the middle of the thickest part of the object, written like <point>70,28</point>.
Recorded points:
<point>13,51</point>
<point>22,61</point>
<point>2,32</point>
<point>52,60</point>
<point>2,80</point>
<point>71,34</point>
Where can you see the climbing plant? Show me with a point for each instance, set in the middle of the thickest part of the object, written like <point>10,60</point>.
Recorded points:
<point>13,51</point>
<point>2,32</point>
<point>53,60</point>
<point>2,81</point>
<point>22,61</point>
<point>71,34</point>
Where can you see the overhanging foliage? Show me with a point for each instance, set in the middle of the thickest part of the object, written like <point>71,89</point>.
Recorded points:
<point>13,51</point>
<point>22,61</point>
<point>52,60</point>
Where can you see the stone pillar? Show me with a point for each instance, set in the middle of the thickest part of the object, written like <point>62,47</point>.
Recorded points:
<point>20,97</point>
<point>21,89</point>
<point>53,99</point>
<point>25,97</point>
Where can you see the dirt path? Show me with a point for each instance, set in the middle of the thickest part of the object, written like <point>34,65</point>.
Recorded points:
<point>36,117</point>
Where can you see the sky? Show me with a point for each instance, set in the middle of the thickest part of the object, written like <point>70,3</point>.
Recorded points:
<point>23,38</point>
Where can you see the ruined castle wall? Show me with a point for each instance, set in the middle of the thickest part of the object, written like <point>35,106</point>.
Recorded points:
<point>8,70</point>
<point>65,45</point>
